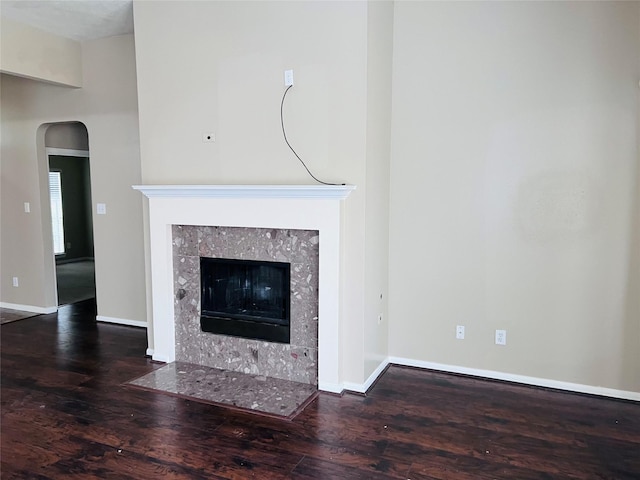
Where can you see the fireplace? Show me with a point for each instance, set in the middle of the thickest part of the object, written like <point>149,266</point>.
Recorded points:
<point>306,207</point>
<point>246,298</point>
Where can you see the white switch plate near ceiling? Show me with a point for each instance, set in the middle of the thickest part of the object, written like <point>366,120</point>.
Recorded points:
<point>101,208</point>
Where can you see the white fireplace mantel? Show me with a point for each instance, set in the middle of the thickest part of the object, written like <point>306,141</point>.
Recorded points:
<point>304,207</point>
<point>336,192</point>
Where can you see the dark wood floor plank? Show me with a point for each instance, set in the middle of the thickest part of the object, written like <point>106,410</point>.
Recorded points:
<point>316,468</point>
<point>200,443</point>
<point>66,414</point>
<point>348,447</point>
<point>541,412</point>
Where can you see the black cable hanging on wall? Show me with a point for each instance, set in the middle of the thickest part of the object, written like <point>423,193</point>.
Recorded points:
<point>284,134</point>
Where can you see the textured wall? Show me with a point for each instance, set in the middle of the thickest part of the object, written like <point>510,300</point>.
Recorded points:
<point>107,106</point>
<point>514,187</point>
<point>32,53</point>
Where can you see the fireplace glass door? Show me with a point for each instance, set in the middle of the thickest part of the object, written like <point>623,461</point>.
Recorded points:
<point>246,298</point>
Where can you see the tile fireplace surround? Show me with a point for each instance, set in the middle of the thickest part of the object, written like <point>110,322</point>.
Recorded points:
<point>287,207</point>
<point>295,361</point>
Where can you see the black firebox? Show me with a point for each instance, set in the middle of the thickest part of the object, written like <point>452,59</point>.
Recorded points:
<point>246,298</point>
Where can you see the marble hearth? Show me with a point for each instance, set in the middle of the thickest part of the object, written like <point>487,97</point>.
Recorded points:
<point>312,212</point>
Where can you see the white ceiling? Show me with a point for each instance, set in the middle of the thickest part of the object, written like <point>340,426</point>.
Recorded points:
<point>75,19</point>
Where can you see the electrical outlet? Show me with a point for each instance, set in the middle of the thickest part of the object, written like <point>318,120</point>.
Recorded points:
<point>27,207</point>
<point>501,337</point>
<point>288,78</point>
<point>15,281</point>
<point>208,137</point>
<point>101,208</point>
<point>460,332</point>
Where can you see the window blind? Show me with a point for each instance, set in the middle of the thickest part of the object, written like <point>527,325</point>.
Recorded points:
<point>57,221</point>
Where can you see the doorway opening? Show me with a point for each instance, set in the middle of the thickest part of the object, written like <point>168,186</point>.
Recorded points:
<point>67,149</point>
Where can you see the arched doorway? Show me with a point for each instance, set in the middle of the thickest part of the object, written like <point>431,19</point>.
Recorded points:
<point>67,152</point>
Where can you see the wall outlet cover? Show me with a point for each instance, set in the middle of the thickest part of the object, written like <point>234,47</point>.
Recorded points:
<point>288,78</point>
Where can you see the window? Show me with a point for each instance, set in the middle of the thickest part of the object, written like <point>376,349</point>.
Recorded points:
<point>57,223</point>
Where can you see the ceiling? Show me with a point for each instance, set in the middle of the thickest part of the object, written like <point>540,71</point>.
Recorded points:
<point>76,19</point>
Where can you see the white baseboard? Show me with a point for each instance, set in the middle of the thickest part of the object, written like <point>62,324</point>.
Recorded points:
<point>364,387</point>
<point>331,387</point>
<point>160,358</point>
<point>509,377</point>
<point>122,321</point>
<point>28,308</point>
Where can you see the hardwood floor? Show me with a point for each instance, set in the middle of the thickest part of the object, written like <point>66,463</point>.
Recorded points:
<point>65,414</point>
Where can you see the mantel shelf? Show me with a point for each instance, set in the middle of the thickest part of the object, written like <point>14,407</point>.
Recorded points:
<point>329,192</point>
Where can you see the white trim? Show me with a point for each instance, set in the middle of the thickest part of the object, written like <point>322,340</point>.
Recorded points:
<point>161,358</point>
<point>28,308</point>
<point>364,387</point>
<point>335,192</point>
<point>66,152</point>
<point>149,352</point>
<point>509,377</point>
<point>331,387</point>
<point>121,321</point>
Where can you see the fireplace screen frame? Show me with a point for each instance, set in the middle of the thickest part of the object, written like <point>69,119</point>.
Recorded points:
<point>246,323</point>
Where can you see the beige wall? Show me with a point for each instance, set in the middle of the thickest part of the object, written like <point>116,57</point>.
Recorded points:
<point>379,58</point>
<point>32,53</point>
<point>514,188</point>
<point>514,184</point>
<point>107,106</point>
<point>218,67</point>
<point>71,135</point>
